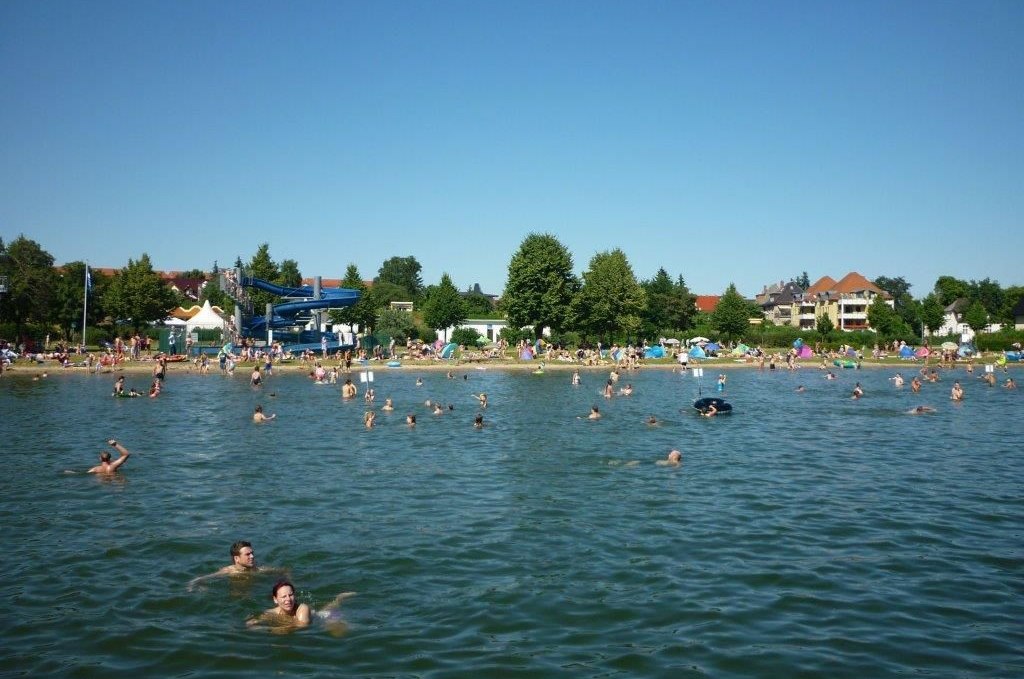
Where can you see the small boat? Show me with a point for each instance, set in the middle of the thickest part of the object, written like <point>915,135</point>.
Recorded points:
<point>721,405</point>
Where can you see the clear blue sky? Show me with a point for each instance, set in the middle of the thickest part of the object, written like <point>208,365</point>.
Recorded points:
<point>740,142</point>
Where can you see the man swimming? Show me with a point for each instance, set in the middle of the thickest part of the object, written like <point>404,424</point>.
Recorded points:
<point>243,562</point>
<point>258,416</point>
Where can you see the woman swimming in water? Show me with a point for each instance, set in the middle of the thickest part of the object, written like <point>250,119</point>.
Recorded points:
<point>287,614</point>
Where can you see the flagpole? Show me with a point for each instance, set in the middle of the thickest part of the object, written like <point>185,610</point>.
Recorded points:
<point>85,304</point>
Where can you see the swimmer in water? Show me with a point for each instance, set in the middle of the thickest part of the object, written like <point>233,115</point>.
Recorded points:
<point>576,377</point>
<point>369,417</point>
<point>653,421</point>
<point>673,459</point>
<point>595,413</point>
<point>410,420</point>
<point>483,400</point>
<point>957,392</point>
<point>710,411</point>
<point>388,405</point>
<point>243,562</point>
<point>1009,383</point>
<point>255,379</point>
<point>106,466</point>
<point>258,416</point>
<point>858,391</point>
<point>438,410</point>
<point>349,390</point>
<point>626,390</point>
<point>800,389</point>
<point>897,380</point>
<point>419,381</point>
<point>287,614</point>
<point>921,410</point>
<point>478,421</point>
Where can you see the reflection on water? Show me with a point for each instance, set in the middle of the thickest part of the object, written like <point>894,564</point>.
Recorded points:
<point>807,530</point>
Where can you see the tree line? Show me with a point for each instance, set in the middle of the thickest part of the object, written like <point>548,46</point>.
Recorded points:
<point>607,303</point>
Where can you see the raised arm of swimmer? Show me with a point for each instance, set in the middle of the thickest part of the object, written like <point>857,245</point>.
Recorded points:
<point>106,466</point>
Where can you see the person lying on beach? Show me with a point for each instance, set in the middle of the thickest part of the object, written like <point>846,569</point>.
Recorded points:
<point>106,466</point>
<point>258,415</point>
<point>243,562</point>
<point>288,615</point>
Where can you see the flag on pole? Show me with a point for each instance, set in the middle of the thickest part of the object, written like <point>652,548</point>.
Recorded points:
<point>88,279</point>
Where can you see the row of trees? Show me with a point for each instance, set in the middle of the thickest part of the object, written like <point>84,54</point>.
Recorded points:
<point>606,303</point>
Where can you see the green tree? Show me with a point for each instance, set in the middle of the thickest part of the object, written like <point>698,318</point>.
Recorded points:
<point>990,294</point>
<point>444,307</point>
<point>825,326</point>
<point>288,275</point>
<point>137,295</point>
<point>262,266</point>
<point>670,305</point>
<point>883,319</point>
<point>731,317</point>
<point>610,301</point>
<point>30,283</point>
<point>976,317</point>
<point>803,280</point>
<point>1012,296</point>
<point>396,323</point>
<point>362,313</point>
<point>932,313</point>
<point>69,295</point>
<point>540,285</point>
<point>403,272</point>
<point>195,274</point>
<point>478,305</point>
<point>950,289</point>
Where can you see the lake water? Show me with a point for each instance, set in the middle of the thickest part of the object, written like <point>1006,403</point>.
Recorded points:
<point>805,535</point>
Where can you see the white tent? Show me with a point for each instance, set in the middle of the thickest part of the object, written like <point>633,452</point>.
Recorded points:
<point>206,319</point>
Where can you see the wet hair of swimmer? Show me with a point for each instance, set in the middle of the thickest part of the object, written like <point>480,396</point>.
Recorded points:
<point>236,548</point>
<point>479,419</point>
<point>278,585</point>
<point>105,456</point>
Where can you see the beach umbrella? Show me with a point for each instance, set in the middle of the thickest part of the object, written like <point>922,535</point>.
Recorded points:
<point>949,346</point>
<point>672,340</point>
<point>697,340</point>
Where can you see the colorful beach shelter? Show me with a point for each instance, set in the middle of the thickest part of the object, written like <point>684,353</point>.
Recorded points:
<point>526,354</point>
<point>922,352</point>
<point>804,351</point>
<point>906,351</point>
<point>449,350</point>
<point>740,349</point>
<point>697,352</point>
<point>654,352</point>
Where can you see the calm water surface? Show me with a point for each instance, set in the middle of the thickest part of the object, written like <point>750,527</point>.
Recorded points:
<point>806,535</point>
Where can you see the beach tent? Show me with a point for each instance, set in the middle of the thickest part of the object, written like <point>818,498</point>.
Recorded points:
<point>922,352</point>
<point>804,351</point>
<point>697,352</point>
<point>206,319</point>
<point>740,349</point>
<point>797,343</point>
<point>654,352</point>
<point>965,350</point>
<point>711,347</point>
<point>851,352</point>
<point>449,350</point>
<point>906,351</point>
<point>526,354</point>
